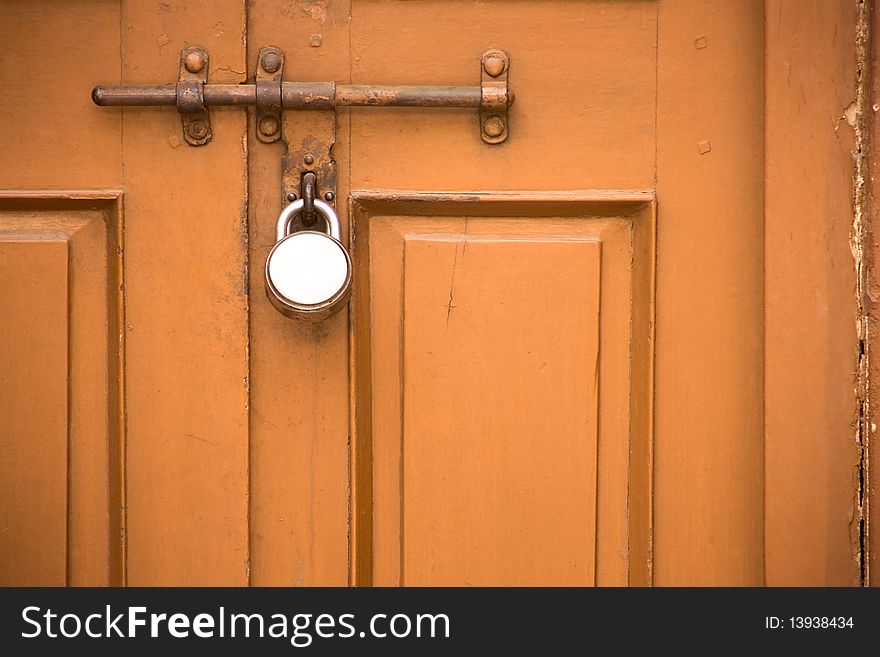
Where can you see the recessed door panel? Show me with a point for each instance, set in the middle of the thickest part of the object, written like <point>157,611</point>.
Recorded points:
<point>493,366</point>
<point>60,389</point>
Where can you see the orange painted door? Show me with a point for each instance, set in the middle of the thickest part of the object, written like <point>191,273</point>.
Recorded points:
<point>565,359</point>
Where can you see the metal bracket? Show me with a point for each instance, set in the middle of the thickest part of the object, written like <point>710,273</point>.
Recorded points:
<point>308,169</point>
<point>190,98</point>
<point>270,65</point>
<point>308,166</point>
<point>496,96</point>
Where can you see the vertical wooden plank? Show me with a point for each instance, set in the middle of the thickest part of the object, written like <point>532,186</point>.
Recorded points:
<point>116,402</point>
<point>186,309</point>
<point>810,307</point>
<point>299,424</point>
<point>640,500</point>
<point>87,226</point>
<point>94,539</point>
<point>709,489</point>
<point>90,423</point>
<point>33,410</point>
<point>363,462</point>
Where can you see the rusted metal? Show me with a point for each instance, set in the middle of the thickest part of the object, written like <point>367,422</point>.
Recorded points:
<point>495,96</point>
<point>406,96</point>
<point>493,64</point>
<point>308,169</point>
<point>270,94</point>
<point>494,127</point>
<point>308,95</point>
<point>271,59</point>
<point>267,93</point>
<point>194,61</point>
<point>189,96</point>
<point>309,185</point>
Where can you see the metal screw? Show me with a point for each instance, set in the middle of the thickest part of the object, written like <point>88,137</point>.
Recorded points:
<point>494,126</point>
<point>269,126</point>
<point>199,129</point>
<point>308,159</point>
<point>494,65</point>
<point>291,197</point>
<point>329,196</point>
<point>271,62</point>
<point>194,61</point>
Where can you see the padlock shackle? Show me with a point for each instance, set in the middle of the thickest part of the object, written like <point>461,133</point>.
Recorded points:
<point>282,228</point>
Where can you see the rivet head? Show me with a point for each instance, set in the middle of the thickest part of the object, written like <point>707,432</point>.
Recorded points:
<point>329,196</point>
<point>308,159</point>
<point>271,62</point>
<point>291,197</point>
<point>493,65</point>
<point>269,126</point>
<point>199,129</point>
<point>194,61</point>
<point>494,126</point>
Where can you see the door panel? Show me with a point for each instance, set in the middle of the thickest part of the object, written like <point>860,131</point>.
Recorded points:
<point>60,300</point>
<point>584,74</point>
<point>553,367</point>
<point>462,469</point>
<point>469,393</point>
<point>37,469</point>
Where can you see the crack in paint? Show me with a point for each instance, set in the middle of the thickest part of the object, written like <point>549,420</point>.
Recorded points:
<point>463,244</point>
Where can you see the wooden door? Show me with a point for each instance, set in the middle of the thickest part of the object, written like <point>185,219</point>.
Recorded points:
<point>616,349</point>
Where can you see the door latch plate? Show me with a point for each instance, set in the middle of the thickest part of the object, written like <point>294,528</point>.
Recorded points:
<point>496,96</point>
<point>270,66</point>
<point>190,100</point>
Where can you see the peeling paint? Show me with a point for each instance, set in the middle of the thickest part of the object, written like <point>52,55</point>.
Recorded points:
<point>314,9</point>
<point>856,115</point>
<point>849,114</point>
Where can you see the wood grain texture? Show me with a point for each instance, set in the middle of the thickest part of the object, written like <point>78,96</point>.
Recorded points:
<point>810,310</point>
<point>410,441</point>
<point>583,74</point>
<point>61,419</point>
<point>499,436</point>
<point>709,443</point>
<point>54,53</point>
<point>186,309</point>
<point>299,372</point>
<point>424,439</point>
<point>33,411</point>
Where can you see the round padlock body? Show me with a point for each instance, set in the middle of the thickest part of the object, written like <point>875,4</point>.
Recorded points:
<point>308,272</point>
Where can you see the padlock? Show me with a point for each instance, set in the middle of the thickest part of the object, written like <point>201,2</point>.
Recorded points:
<point>308,272</point>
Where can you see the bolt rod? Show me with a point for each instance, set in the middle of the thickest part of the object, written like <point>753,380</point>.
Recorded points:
<point>301,95</point>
